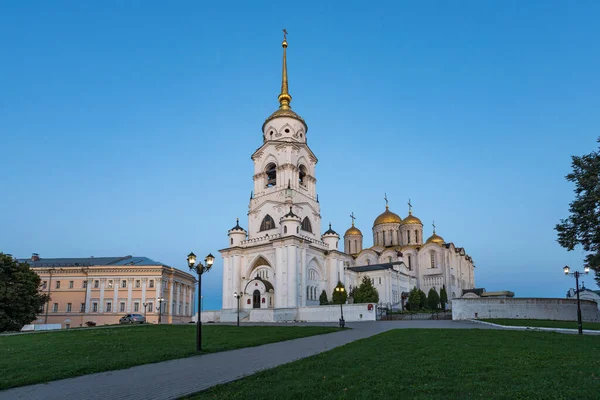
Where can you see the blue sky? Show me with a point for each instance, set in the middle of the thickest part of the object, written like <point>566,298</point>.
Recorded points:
<point>127,127</point>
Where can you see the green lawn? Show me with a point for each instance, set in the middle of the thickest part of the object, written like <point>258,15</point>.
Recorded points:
<point>435,364</point>
<point>544,323</point>
<point>42,357</point>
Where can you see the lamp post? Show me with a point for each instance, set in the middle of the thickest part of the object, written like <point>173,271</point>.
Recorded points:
<point>199,269</point>
<point>238,296</point>
<point>160,301</point>
<point>145,305</point>
<point>577,274</point>
<point>340,289</point>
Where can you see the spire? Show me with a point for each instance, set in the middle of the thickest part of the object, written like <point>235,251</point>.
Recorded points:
<point>433,227</point>
<point>353,218</point>
<point>284,97</point>
<point>386,201</point>
<point>409,207</point>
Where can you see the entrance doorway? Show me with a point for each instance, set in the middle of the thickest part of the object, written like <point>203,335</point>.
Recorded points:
<point>256,299</point>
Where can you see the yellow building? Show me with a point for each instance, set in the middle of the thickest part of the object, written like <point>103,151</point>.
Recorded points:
<point>103,289</point>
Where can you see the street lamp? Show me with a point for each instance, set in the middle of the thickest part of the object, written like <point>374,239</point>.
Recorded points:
<point>577,274</point>
<point>160,301</point>
<point>145,305</point>
<point>340,289</point>
<point>238,296</point>
<point>199,269</point>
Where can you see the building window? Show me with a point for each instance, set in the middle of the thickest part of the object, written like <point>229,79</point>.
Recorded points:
<point>58,284</point>
<point>416,236</point>
<point>69,305</point>
<point>41,310</point>
<point>380,281</point>
<point>44,284</point>
<point>136,307</point>
<point>55,307</point>
<point>137,283</point>
<point>122,306</point>
<point>123,283</point>
<point>302,175</point>
<point>151,284</point>
<point>94,307</point>
<point>432,259</point>
<point>96,284</point>
<point>368,262</point>
<point>284,229</point>
<point>180,309</point>
<point>82,307</point>
<point>110,284</point>
<point>84,284</point>
<point>267,223</point>
<point>409,263</point>
<point>306,226</point>
<point>173,308</point>
<point>67,326</point>
<point>408,237</point>
<point>71,284</point>
<point>390,259</point>
<point>271,172</point>
<point>383,237</point>
<point>109,307</point>
<point>150,305</point>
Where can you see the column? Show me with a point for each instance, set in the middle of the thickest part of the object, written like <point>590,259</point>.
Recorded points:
<point>227,290</point>
<point>88,294</point>
<point>190,293</point>
<point>193,302</point>
<point>178,302</point>
<point>171,287</point>
<point>302,279</point>
<point>129,292</point>
<point>292,266</point>
<point>102,286</point>
<point>237,277</point>
<point>144,282</point>
<point>332,268</point>
<point>116,284</point>
<point>279,278</point>
<point>158,292</point>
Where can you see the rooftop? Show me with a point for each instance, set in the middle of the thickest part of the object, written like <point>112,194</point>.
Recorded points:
<point>375,267</point>
<point>38,262</point>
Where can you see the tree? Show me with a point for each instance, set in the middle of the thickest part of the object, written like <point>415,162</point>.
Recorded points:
<point>582,227</point>
<point>339,297</point>
<point>422,299</point>
<point>323,298</point>
<point>366,292</point>
<point>414,299</point>
<point>20,298</point>
<point>443,297</point>
<point>433,299</point>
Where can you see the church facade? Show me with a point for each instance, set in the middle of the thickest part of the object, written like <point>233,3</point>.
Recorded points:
<point>282,261</point>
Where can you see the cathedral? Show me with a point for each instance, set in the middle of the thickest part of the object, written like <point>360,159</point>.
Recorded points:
<point>282,261</point>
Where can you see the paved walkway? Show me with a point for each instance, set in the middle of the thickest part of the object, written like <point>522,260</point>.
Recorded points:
<point>176,378</point>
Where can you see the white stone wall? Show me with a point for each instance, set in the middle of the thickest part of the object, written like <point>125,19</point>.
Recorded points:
<point>524,308</point>
<point>331,313</point>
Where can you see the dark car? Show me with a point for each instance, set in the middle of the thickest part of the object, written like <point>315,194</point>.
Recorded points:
<point>132,319</point>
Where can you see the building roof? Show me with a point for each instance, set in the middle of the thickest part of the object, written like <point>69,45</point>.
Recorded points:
<point>375,267</point>
<point>90,261</point>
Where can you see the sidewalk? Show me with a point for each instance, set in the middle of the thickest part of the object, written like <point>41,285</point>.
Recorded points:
<point>176,378</point>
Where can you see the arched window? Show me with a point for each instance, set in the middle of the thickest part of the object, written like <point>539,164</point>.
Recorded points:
<point>383,238</point>
<point>307,293</point>
<point>391,238</point>
<point>409,263</point>
<point>356,246</point>
<point>368,261</point>
<point>416,236</point>
<point>231,240</point>
<point>306,225</point>
<point>302,175</point>
<point>432,259</point>
<point>285,229</point>
<point>271,172</point>
<point>390,259</point>
<point>267,223</point>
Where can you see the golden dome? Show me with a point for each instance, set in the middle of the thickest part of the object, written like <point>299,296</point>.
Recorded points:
<point>387,217</point>
<point>435,239</point>
<point>353,231</point>
<point>411,219</point>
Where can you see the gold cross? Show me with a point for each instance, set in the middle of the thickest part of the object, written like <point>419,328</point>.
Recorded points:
<point>385,198</point>
<point>409,206</point>
<point>353,217</point>
<point>284,34</point>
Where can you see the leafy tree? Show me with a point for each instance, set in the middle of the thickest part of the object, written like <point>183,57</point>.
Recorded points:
<point>433,299</point>
<point>443,297</point>
<point>20,297</point>
<point>323,298</point>
<point>582,227</point>
<point>414,299</point>
<point>366,292</point>
<point>422,299</point>
<point>341,296</point>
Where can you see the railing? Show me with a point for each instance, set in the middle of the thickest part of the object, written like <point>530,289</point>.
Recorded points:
<point>261,239</point>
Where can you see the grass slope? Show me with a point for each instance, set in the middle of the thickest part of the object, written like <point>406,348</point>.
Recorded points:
<point>42,357</point>
<point>435,364</point>
<point>542,323</point>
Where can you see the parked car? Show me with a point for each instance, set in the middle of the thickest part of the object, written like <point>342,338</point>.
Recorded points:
<point>132,319</point>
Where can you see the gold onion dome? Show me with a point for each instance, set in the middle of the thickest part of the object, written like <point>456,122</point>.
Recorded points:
<point>353,231</point>
<point>387,217</point>
<point>285,110</point>
<point>411,219</point>
<point>435,239</point>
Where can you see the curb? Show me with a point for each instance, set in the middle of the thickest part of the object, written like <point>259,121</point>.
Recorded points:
<point>536,328</point>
